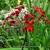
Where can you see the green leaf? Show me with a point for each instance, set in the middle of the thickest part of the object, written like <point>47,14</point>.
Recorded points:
<point>44,4</point>
<point>28,4</point>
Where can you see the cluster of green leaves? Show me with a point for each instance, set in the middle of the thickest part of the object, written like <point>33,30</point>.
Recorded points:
<point>6,4</point>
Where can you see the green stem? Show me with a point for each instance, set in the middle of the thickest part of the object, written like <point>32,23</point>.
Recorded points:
<point>25,40</point>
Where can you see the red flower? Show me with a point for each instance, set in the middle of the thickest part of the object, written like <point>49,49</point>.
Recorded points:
<point>38,9</point>
<point>19,7</point>
<point>27,16</point>
<point>32,23</point>
<point>29,29</point>
<point>17,13</point>
<point>32,14</point>
<point>43,13</point>
<point>25,29</point>
<point>12,22</point>
<point>27,22</point>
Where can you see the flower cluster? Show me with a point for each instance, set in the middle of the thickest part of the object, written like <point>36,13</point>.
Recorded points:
<point>15,12</point>
<point>29,24</point>
<point>32,18</point>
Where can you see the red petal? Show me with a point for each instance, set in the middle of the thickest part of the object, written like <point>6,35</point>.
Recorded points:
<point>43,13</point>
<point>32,14</point>
<point>27,16</point>
<point>17,13</point>
<point>32,23</point>
<point>19,7</point>
<point>27,22</point>
<point>29,29</point>
<point>25,29</point>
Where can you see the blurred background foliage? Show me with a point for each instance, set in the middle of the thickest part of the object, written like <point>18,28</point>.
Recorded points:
<point>41,38</point>
<point>5,5</point>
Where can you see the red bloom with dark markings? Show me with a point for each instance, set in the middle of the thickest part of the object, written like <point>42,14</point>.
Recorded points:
<point>32,23</point>
<point>27,22</point>
<point>29,29</point>
<point>12,22</point>
<point>27,16</point>
<point>29,26</point>
<point>17,13</point>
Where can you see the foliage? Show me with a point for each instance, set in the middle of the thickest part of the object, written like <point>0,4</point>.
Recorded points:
<point>14,37</point>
